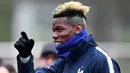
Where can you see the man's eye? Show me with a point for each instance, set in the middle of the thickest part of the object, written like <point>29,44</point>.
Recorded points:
<point>59,30</point>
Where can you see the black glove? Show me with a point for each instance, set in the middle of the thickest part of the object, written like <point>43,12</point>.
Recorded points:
<point>24,45</point>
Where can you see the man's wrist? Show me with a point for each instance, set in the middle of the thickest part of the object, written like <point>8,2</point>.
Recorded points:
<point>25,60</point>
<point>25,54</point>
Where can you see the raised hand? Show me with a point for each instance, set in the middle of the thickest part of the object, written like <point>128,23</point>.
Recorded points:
<point>24,45</point>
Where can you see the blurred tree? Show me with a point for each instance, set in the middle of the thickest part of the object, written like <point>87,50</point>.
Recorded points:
<point>5,19</point>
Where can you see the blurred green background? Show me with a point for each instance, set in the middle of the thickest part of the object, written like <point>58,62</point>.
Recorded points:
<point>108,20</point>
<point>5,20</point>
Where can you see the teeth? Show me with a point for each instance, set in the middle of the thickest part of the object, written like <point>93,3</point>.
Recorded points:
<point>58,43</point>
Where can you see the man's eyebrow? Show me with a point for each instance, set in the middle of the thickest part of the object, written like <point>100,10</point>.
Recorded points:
<point>58,27</point>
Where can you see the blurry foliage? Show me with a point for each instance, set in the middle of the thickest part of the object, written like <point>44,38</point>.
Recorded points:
<point>5,20</point>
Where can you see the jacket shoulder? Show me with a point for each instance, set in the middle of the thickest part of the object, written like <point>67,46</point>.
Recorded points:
<point>102,61</point>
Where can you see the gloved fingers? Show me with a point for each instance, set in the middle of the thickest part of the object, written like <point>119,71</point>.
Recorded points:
<point>24,35</point>
<point>23,40</point>
<point>31,41</point>
<point>21,44</point>
<point>17,46</point>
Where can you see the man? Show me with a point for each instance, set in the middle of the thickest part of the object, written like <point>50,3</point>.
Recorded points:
<point>77,51</point>
<point>7,69</point>
<point>48,56</point>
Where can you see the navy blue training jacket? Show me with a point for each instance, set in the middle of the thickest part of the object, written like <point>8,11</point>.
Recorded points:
<point>86,58</point>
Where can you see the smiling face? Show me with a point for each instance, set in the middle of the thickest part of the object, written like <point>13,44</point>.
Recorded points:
<point>63,31</point>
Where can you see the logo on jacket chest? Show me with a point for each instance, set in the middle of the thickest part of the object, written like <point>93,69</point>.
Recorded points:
<point>80,70</point>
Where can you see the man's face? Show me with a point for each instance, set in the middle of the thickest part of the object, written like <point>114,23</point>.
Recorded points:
<point>62,31</point>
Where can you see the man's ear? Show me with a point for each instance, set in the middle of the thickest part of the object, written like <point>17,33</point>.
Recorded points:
<point>78,28</point>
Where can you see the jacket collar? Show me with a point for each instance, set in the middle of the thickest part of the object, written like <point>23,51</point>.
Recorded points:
<point>83,47</point>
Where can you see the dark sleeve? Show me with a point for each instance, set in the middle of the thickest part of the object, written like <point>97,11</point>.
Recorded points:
<point>29,66</point>
<point>25,67</point>
<point>116,66</point>
<point>108,66</point>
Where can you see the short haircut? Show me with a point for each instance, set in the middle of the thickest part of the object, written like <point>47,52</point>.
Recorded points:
<point>72,9</point>
<point>48,51</point>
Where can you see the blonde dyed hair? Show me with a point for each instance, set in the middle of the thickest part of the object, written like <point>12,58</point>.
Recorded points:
<point>72,5</point>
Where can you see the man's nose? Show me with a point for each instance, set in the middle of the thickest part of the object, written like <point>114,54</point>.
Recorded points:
<point>54,35</point>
